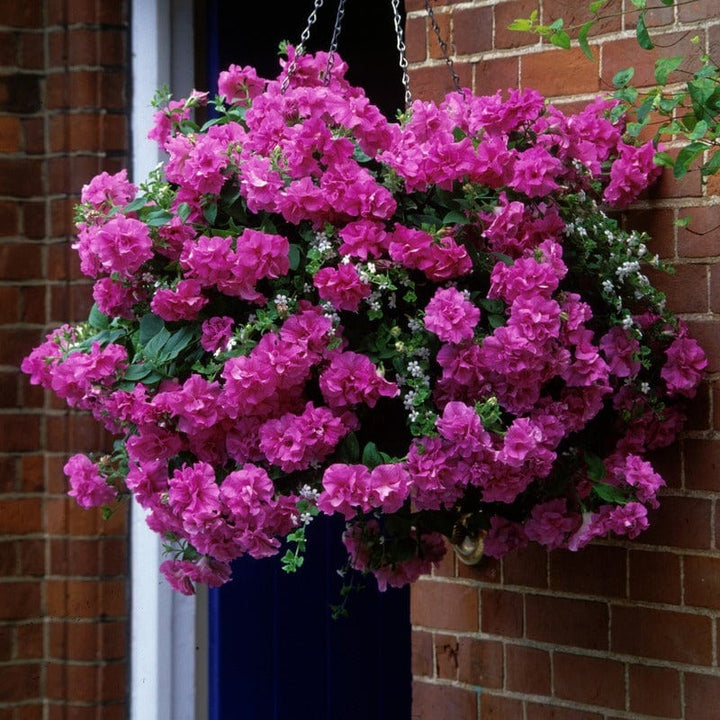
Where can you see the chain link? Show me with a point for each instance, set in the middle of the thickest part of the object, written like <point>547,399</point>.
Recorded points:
<point>334,41</point>
<point>401,51</point>
<point>443,46</point>
<point>300,49</point>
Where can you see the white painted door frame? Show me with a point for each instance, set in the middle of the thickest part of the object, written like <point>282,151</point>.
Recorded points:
<point>167,648</point>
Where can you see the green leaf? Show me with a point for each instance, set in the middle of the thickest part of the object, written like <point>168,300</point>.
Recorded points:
<point>210,213</point>
<point>712,166</point>
<point>156,343</point>
<point>664,159</point>
<point>349,450</point>
<point>641,32</point>
<point>150,325</point>
<point>623,77</point>
<point>686,156</point>
<point>177,342</point>
<point>610,494</point>
<point>521,24</point>
<point>371,457</point>
<point>583,38</point>
<point>136,204</point>
<point>596,6</point>
<point>158,218</point>
<point>560,39</point>
<point>294,257</point>
<point>699,131</point>
<point>595,467</point>
<point>455,217</point>
<point>664,66</point>
<point>183,211</point>
<point>137,372</point>
<point>667,3</point>
<point>97,319</point>
<point>640,4</point>
<point>682,222</point>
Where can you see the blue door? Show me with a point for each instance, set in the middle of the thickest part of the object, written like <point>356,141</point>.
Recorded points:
<point>275,651</point>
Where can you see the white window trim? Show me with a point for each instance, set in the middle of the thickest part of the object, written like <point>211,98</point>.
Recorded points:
<point>167,651</point>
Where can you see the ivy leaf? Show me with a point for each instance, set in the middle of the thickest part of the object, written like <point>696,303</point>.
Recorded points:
<point>560,39</point>
<point>640,4</point>
<point>210,213</point>
<point>595,467</point>
<point>642,34</point>
<point>294,257</point>
<point>610,494</point>
<point>150,325</point>
<point>136,204</point>
<point>664,159</point>
<point>455,217</point>
<point>371,456</point>
<point>98,320</point>
<point>596,6</point>
<point>664,66</point>
<point>686,156</point>
<point>583,38</point>
<point>183,211</point>
<point>712,165</point>
<point>623,77</point>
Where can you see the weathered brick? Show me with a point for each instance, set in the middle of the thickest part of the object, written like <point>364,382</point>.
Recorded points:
<point>480,662</point>
<point>589,680</point>
<point>562,621</point>
<point>559,72</point>
<point>528,670</point>
<point>654,691</point>
<point>655,576</point>
<point>431,702</point>
<point>576,572</point>
<point>702,581</point>
<point>445,606</point>
<point>662,634</point>
<point>502,612</point>
<point>472,30</point>
<point>701,694</point>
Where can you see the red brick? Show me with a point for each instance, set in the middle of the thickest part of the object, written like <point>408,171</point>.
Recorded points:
<point>20,682</point>
<point>658,223</point>
<point>17,15</point>
<point>702,581</point>
<point>561,621</point>
<point>32,473</point>
<point>655,577</point>
<point>680,522</point>
<point>9,134</point>
<point>6,643</point>
<point>498,73</point>
<point>577,572</point>
<point>8,219</point>
<point>559,72</point>
<point>527,567</point>
<point>589,680</point>
<point>413,5</point>
<point>443,23</point>
<point>85,598</point>
<point>496,707</point>
<point>20,261</point>
<point>32,557</point>
<point>433,83</point>
<point>15,344</point>
<point>699,238</point>
<point>702,464</point>
<point>505,14</point>
<point>662,634</point>
<point>21,600</point>
<point>502,612</point>
<point>446,656</point>
<point>655,17</point>
<point>20,177</point>
<point>85,11</point>
<point>690,12</point>
<point>416,39</point>
<point>422,654</point>
<point>528,670</point>
<point>620,54</point>
<point>686,287</point>
<point>655,691</point>
<point>67,174</point>
<point>431,702</point>
<point>113,682</point>
<point>473,30</point>
<point>701,695</point>
<point>444,605</point>
<point>21,515</point>
<point>64,516</point>
<point>77,641</point>
<point>29,640</point>
<point>550,712</point>
<point>488,570</point>
<point>32,51</point>
<point>575,14</point>
<point>480,662</point>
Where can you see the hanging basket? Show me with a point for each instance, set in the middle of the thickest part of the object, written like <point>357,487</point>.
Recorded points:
<point>308,309</point>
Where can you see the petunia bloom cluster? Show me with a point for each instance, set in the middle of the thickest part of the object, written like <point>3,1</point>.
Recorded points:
<point>421,326</point>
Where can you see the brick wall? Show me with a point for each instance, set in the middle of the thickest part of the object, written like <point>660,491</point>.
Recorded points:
<point>620,629</point>
<point>63,98</point>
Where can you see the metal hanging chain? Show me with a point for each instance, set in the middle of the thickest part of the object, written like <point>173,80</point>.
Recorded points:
<point>401,51</point>
<point>443,46</point>
<point>300,49</point>
<point>334,42</point>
